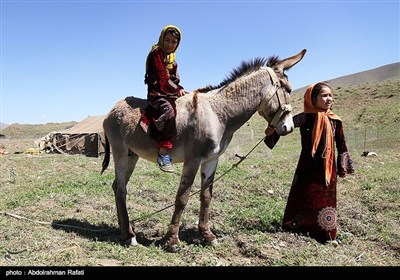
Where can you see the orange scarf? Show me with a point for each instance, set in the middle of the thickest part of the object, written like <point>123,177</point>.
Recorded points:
<point>322,126</point>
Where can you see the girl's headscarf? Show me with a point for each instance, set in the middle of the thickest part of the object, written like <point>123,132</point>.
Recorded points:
<point>322,126</point>
<point>169,59</point>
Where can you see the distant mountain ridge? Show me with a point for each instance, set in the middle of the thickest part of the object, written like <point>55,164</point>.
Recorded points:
<point>3,125</point>
<point>386,72</point>
<point>379,74</point>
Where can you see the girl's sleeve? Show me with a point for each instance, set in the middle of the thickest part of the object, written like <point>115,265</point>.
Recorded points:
<point>344,163</point>
<point>299,119</point>
<point>273,138</point>
<point>166,85</point>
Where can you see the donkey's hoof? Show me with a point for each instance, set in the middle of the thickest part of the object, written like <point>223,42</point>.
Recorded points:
<point>172,248</point>
<point>131,241</point>
<point>212,243</point>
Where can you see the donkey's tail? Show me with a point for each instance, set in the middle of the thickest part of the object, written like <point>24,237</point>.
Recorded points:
<point>106,160</point>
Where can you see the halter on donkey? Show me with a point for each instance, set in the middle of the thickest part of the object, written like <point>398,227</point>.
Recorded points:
<point>206,121</point>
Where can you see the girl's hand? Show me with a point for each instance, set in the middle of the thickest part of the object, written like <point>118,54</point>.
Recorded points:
<point>182,92</point>
<point>270,130</point>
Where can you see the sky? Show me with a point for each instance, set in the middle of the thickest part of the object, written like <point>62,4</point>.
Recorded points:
<point>66,60</point>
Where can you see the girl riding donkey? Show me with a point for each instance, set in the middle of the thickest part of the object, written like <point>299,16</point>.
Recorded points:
<point>163,89</point>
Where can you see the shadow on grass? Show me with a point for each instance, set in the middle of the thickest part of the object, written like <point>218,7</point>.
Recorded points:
<point>107,233</point>
<point>190,235</point>
<point>101,232</point>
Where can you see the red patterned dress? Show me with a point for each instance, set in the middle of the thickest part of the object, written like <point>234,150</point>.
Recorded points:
<point>163,89</point>
<point>311,205</point>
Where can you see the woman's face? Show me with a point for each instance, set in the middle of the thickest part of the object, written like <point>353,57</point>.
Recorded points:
<point>324,99</point>
<point>170,43</point>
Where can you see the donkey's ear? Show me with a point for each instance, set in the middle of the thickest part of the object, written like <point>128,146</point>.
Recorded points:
<point>289,62</point>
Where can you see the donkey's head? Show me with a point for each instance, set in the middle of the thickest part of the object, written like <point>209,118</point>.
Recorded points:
<point>275,107</point>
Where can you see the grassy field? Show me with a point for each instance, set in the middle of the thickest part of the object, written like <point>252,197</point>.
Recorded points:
<point>57,210</point>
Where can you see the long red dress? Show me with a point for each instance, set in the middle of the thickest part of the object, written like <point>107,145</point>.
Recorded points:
<point>162,90</point>
<point>311,205</point>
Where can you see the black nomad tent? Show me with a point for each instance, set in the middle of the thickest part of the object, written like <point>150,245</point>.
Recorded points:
<point>86,138</point>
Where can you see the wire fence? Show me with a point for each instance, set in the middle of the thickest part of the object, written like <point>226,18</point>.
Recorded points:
<point>373,137</point>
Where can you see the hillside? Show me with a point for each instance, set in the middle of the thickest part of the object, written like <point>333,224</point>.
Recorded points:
<point>368,102</point>
<point>386,72</point>
<point>371,103</point>
<point>3,125</point>
<point>25,131</point>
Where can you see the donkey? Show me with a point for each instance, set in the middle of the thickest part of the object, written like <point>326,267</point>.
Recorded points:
<point>206,120</point>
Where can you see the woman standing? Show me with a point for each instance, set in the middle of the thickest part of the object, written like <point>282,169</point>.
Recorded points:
<point>311,205</point>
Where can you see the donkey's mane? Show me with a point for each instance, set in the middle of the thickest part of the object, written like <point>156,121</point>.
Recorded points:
<point>273,60</point>
<point>244,69</point>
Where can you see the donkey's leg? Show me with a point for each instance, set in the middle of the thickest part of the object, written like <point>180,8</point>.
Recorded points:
<point>124,166</point>
<point>207,177</point>
<point>188,174</point>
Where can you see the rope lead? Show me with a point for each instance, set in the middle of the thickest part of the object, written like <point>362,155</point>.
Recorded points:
<point>242,158</point>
